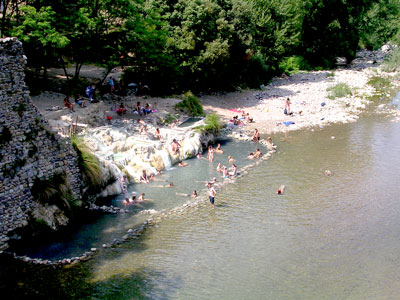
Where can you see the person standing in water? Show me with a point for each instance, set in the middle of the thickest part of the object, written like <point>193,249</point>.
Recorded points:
<point>211,154</point>
<point>211,194</point>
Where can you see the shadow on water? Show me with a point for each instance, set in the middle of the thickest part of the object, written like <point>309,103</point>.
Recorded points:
<point>19,280</point>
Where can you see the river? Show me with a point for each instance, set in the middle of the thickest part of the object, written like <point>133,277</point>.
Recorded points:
<point>326,237</point>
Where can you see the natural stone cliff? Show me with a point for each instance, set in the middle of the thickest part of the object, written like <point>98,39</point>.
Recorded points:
<point>36,165</point>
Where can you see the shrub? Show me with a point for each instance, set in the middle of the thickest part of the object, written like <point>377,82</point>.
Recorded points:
<point>169,119</point>
<point>88,163</point>
<point>379,83</point>
<point>191,105</point>
<point>392,63</point>
<point>53,190</point>
<point>212,124</point>
<point>293,64</point>
<point>20,109</point>
<point>339,90</point>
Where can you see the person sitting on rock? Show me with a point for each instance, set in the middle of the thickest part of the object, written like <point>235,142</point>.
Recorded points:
<point>68,104</point>
<point>147,109</point>
<point>157,134</point>
<point>144,178</point>
<point>258,153</point>
<point>121,110</point>
<point>175,146</point>
<point>79,100</point>
<point>143,126</point>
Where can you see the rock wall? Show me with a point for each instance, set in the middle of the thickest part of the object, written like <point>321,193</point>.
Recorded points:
<point>29,151</point>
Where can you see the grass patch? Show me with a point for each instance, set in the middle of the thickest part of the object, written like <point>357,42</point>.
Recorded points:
<point>338,91</point>
<point>380,83</point>
<point>169,119</point>
<point>191,105</point>
<point>88,163</point>
<point>293,64</point>
<point>392,62</point>
<point>212,124</point>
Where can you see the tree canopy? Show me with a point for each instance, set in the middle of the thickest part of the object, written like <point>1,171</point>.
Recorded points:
<point>198,45</point>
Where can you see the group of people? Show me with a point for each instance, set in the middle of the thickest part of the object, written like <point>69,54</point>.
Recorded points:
<point>245,118</point>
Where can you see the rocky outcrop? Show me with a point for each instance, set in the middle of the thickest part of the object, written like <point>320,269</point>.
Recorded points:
<point>30,154</point>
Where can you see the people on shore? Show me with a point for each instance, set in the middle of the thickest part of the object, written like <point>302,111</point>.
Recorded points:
<point>143,126</point>
<point>211,194</point>
<point>287,111</point>
<point>112,84</point>
<point>175,146</point>
<point>157,134</point>
<point>68,104</point>
<point>256,135</point>
<point>121,109</point>
<point>79,100</point>
<point>147,109</point>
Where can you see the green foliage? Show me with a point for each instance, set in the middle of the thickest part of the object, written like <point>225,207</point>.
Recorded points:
<point>293,64</point>
<point>53,190</point>
<point>88,163</point>
<point>392,63</point>
<point>380,83</point>
<point>191,105</point>
<point>338,91</point>
<point>380,24</point>
<point>5,135</point>
<point>212,124</point>
<point>169,118</point>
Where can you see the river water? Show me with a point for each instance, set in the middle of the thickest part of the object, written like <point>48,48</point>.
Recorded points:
<point>326,237</point>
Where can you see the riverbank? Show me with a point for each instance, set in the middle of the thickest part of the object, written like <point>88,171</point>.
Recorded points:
<point>308,92</point>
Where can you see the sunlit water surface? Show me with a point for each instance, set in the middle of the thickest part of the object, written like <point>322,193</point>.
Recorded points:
<point>326,237</point>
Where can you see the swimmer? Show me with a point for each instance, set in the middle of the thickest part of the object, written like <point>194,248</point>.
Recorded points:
<point>183,164</point>
<point>258,153</point>
<point>133,200</point>
<point>171,184</point>
<point>231,159</point>
<point>218,149</point>
<point>141,198</point>
<point>251,156</point>
<point>193,195</point>
<point>219,167</point>
<point>280,190</point>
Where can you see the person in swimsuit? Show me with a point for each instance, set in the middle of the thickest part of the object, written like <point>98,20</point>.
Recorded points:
<point>280,190</point>
<point>231,159</point>
<point>218,149</point>
<point>157,134</point>
<point>143,126</point>
<point>144,178</point>
<point>258,153</point>
<point>251,156</point>
<point>219,167</point>
<point>183,164</point>
<point>211,194</point>
<point>210,154</point>
<point>256,135</point>
<point>225,173</point>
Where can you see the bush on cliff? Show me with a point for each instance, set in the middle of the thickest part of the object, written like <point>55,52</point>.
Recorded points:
<point>88,163</point>
<point>212,124</point>
<point>53,190</point>
<point>191,105</point>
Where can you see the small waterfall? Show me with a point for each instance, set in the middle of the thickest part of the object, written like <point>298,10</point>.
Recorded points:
<point>165,158</point>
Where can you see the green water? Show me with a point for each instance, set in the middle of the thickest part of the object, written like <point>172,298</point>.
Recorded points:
<point>327,237</point>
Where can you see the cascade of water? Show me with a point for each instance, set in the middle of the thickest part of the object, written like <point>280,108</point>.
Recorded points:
<point>165,158</point>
